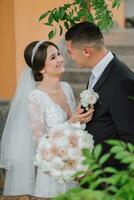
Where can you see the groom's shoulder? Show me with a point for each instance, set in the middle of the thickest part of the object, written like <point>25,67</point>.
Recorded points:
<point>120,68</point>
<point>120,65</point>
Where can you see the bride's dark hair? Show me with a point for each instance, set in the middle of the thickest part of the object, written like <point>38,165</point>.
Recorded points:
<point>39,58</point>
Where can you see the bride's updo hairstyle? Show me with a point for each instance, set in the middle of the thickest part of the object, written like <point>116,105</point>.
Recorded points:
<point>35,55</point>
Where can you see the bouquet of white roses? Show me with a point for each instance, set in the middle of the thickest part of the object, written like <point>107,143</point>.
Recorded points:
<point>60,153</point>
<point>88,98</point>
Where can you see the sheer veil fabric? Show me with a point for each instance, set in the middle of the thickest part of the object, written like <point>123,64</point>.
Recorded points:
<point>17,147</point>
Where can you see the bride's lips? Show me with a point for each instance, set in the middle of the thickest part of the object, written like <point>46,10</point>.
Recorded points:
<point>59,66</point>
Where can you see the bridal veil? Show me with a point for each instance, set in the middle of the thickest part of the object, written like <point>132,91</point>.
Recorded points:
<point>17,146</point>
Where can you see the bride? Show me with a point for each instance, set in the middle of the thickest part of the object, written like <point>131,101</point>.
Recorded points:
<point>41,102</point>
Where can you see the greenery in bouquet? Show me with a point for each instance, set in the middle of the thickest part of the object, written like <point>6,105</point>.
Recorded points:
<point>119,185</point>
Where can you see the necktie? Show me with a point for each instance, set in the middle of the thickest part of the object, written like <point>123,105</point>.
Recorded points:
<point>91,80</point>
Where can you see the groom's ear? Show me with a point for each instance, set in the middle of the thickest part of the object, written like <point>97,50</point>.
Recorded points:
<point>87,52</point>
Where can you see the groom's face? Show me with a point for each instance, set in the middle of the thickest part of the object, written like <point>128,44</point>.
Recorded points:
<point>77,54</point>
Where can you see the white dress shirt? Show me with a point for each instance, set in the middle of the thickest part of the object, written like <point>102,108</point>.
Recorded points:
<point>99,68</point>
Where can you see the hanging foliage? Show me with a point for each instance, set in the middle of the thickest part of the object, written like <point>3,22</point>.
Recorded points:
<point>97,11</point>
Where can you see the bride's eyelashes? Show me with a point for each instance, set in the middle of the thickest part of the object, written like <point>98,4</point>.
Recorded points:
<point>54,56</point>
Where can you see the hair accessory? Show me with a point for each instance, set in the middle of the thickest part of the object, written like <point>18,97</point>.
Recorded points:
<point>35,49</point>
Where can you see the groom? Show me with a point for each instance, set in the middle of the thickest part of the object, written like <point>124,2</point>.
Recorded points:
<point>114,112</point>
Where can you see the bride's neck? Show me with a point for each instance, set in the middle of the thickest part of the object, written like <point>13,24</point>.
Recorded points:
<point>50,84</point>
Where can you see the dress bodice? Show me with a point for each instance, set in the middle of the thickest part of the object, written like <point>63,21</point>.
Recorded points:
<point>45,113</point>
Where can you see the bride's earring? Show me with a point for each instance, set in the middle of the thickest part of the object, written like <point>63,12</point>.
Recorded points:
<point>43,71</point>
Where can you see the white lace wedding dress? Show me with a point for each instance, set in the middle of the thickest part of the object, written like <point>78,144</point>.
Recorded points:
<point>45,114</point>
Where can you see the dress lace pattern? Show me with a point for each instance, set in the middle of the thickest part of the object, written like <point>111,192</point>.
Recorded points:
<point>44,114</point>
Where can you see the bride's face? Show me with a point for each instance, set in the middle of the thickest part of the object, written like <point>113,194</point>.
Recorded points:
<point>54,62</point>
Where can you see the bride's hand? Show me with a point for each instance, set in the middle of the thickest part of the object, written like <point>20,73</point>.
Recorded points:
<point>80,116</point>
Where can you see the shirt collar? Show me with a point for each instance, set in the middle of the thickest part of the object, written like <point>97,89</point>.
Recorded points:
<point>100,67</point>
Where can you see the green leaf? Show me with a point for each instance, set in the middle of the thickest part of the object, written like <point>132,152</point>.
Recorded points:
<point>98,182</point>
<point>78,1</point>
<point>66,25</point>
<point>82,13</point>
<point>130,147</point>
<point>122,155</point>
<point>116,149</point>
<point>114,142</point>
<point>114,179</point>
<point>52,34</point>
<point>131,166</point>
<point>94,166</point>
<point>62,13</point>
<point>97,173</point>
<point>124,179</point>
<point>110,170</point>
<point>85,180</point>
<point>113,189</point>
<point>86,152</point>
<point>76,18</point>
<point>50,19</point>
<point>48,24</point>
<point>116,3</point>
<point>128,159</point>
<point>97,151</point>
<point>90,18</point>
<point>44,15</point>
<point>104,158</point>
<point>61,29</point>
<point>55,15</point>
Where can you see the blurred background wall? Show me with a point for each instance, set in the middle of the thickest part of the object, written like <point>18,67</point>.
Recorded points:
<point>19,25</point>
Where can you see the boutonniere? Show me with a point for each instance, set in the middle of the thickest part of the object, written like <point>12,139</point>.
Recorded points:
<point>88,98</point>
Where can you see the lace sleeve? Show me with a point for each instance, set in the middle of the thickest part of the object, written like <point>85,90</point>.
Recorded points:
<point>36,117</point>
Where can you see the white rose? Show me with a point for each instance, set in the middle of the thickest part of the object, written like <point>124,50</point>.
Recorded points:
<point>45,145</point>
<point>73,153</point>
<point>83,144</point>
<point>88,97</point>
<point>62,142</point>
<point>86,141</point>
<point>57,163</point>
<point>92,99</point>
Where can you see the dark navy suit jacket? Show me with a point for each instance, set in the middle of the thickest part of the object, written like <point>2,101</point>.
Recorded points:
<point>114,112</point>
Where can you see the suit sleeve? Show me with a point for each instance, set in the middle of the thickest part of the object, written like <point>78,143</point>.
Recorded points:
<point>122,109</point>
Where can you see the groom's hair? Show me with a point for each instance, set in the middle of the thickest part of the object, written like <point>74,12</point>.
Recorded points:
<point>85,33</point>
